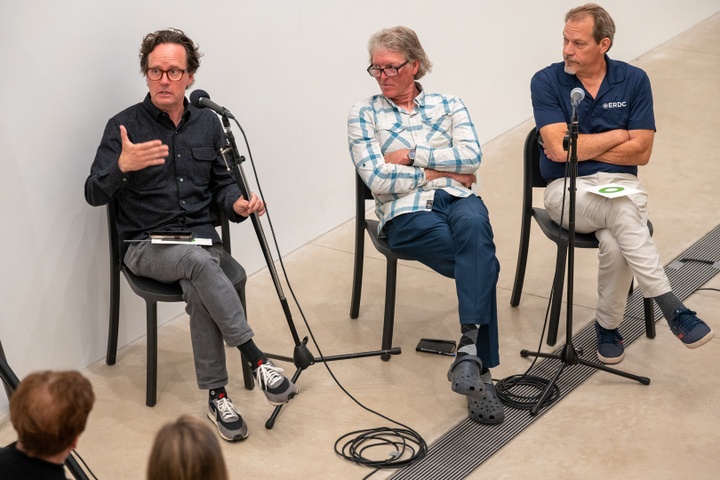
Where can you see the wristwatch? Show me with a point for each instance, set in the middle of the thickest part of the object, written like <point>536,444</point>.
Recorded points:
<point>411,156</point>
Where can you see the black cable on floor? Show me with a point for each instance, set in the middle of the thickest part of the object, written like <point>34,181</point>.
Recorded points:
<point>511,390</point>
<point>524,381</point>
<point>358,447</point>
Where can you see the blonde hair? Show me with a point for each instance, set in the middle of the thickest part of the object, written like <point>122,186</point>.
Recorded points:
<point>186,449</point>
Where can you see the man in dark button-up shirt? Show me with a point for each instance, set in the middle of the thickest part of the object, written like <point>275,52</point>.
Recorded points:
<point>159,160</point>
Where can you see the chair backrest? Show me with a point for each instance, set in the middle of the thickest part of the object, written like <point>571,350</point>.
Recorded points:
<point>362,194</point>
<point>531,171</point>
<point>218,218</point>
<point>532,159</point>
<point>112,212</point>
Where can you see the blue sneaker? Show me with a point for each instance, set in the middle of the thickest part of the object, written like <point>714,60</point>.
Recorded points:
<point>610,347</point>
<point>692,331</point>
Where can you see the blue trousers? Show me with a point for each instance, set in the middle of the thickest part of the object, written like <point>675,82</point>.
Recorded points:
<point>456,240</point>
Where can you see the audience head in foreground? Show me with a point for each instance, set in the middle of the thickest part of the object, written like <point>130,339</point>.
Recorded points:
<point>186,449</point>
<point>49,411</point>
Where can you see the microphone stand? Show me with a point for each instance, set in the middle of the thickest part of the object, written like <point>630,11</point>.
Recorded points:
<point>569,355</point>
<point>11,383</point>
<point>302,358</point>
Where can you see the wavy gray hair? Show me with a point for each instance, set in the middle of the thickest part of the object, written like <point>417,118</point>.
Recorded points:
<point>402,40</point>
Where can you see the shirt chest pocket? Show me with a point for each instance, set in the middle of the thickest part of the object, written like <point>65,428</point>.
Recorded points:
<point>437,131</point>
<point>393,135</point>
<point>201,164</point>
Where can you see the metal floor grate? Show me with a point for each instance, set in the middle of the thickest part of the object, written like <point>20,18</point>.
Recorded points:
<point>465,447</point>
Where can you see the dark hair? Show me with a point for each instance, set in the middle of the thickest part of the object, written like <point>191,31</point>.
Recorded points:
<point>171,35</point>
<point>604,24</point>
<point>49,411</point>
<point>402,40</point>
<point>186,449</point>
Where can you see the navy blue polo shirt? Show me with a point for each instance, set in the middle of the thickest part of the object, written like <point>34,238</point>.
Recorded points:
<point>624,101</point>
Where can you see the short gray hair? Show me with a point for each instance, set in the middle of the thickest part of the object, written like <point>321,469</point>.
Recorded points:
<point>402,40</point>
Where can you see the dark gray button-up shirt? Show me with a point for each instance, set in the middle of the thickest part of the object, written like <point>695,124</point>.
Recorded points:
<point>175,195</point>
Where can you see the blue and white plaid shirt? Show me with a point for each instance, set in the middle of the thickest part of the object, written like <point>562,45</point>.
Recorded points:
<point>439,128</point>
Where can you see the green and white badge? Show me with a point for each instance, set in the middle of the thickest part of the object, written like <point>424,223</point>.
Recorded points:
<point>612,190</point>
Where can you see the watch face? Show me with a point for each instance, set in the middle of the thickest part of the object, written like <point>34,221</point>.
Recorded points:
<point>411,154</point>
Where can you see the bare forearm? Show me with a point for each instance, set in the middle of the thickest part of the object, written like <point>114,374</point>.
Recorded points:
<point>593,146</point>
<point>635,151</point>
<point>466,179</point>
<point>619,147</point>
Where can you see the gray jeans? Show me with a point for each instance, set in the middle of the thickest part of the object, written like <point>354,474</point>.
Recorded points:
<point>215,310</point>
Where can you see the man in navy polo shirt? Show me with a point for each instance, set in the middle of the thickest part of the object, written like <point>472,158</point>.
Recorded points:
<point>616,130</point>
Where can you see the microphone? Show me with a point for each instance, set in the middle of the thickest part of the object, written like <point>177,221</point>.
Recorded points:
<point>201,99</point>
<point>576,96</point>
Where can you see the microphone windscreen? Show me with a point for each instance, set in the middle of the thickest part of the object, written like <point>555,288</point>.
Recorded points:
<point>196,96</point>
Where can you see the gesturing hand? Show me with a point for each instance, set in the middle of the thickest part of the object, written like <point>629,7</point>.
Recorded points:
<point>136,156</point>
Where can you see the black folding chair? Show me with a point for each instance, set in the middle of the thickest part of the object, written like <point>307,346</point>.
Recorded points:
<point>533,179</point>
<point>362,195</point>
<point>153,292</point>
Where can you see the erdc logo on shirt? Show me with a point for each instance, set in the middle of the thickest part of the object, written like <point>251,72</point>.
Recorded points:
<point>608,105</point>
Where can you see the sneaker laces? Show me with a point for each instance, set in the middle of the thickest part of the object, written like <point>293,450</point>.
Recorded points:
<point>685,319</point>
<point>227,409</point>
<point>268,376</point>
<point>609,336</point>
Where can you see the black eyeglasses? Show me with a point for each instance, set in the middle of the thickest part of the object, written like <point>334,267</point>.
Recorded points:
<point>388,71</point>
<point>174,74</point>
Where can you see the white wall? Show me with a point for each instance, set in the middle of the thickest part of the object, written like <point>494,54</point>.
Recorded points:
<point>289,70</point>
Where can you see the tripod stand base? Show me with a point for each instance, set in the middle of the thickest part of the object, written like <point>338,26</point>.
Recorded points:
<point>302,358</point>
<point>570,356</point>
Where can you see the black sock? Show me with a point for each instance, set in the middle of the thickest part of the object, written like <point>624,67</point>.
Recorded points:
<point>253,355</point>
<point>217,393</point>
<point>468,340</point>
<point>669,303</point>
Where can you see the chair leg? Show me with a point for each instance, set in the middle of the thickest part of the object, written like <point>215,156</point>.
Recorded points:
<point>389,320</point>
<point>557,294</point>
<point>649,317</point>
<point>649,310</point>
<point>9,379</point>
<point>113,316</point>
<point>521,262</point>
<point>357,273</point>
<point>152,347</point>
<point>248,378</point>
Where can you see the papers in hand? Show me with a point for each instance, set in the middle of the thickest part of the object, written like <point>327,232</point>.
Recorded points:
<point>612,190</point>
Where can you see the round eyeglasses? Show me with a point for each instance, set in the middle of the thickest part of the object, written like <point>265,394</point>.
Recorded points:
<point>174,74</point>
<point>388,71</point>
